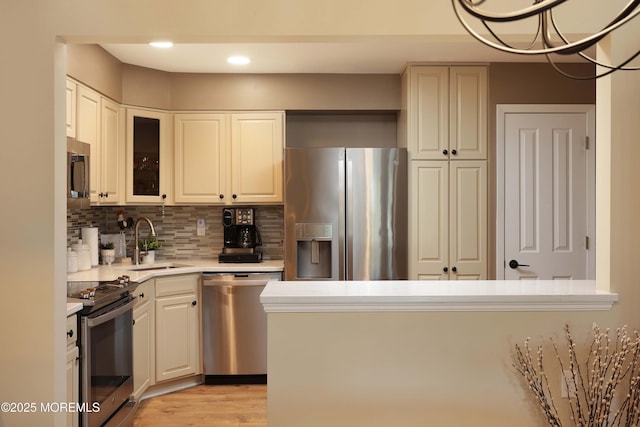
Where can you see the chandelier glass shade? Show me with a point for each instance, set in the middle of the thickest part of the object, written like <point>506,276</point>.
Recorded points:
<point>548,39</point>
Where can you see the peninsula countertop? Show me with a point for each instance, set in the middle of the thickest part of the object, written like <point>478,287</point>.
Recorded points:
<point>483,295</point>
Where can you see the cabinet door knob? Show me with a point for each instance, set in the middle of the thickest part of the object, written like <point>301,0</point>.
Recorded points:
<point>142,295</point>
<point>235,196</point>
<point>454,152</point>
<point>454,269</point>
<point>445,152</point>
<point>193,303</point>
<point>445,269</point>
<point>222,196</point>
<point>70,333</point>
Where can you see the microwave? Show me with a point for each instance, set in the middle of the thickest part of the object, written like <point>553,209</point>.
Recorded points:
<point>78,192</point>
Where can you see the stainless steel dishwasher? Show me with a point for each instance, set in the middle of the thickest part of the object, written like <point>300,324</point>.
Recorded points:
<point>234,327</point>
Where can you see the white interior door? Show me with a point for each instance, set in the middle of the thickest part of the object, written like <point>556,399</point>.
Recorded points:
<point>547,199</point>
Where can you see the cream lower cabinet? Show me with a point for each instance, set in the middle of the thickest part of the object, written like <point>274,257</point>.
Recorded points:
<point>177,326</point>
<point>73,369</point>
<point>448,216</point>
<point>143,338</point>
<point>223,158</point>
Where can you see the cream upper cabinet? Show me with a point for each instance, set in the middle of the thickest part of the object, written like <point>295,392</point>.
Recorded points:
<point>448,219</point>
<point>143,338</point>
<point>201,149</point>
<point>447,112</point>
<point>100,123</point>
<point>257,144</point>
<point>149,157</point>
<point>88,130</point>
<point>71,108</point>
<point>428,129</point>
<point>177,327</point>
<point>112,154</point>
<point>468,112</point>
<point>223,158</point>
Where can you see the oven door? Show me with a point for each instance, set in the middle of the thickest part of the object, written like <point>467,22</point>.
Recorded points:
<point>107,361</point>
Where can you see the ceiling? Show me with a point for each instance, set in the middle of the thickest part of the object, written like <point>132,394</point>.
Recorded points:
<point>387,56</point>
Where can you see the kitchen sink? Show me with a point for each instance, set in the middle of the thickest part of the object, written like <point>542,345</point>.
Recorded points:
<point>159,266</point>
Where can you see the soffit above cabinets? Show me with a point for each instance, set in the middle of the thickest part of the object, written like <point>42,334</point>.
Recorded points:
<point>380,56</point>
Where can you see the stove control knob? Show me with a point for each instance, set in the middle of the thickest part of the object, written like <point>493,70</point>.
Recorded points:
<point>123,280</point>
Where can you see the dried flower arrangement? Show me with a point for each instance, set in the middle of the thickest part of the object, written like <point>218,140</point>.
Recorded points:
<point>604,391</point>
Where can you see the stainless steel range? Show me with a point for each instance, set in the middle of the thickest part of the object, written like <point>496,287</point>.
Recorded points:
<point>106,351</point>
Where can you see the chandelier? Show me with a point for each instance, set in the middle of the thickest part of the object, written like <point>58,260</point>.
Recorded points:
<point>548,39</point>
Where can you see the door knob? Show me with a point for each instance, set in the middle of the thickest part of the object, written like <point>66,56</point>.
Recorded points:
<point>515,264</point>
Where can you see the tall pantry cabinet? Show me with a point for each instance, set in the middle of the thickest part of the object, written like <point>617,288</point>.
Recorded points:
<point>446,129</point>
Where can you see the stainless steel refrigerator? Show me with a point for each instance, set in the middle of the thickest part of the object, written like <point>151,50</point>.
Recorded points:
<point>345,214</point>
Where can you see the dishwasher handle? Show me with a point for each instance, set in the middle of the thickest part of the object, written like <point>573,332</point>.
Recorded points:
<point>232,283</point>
<point>239,279</point>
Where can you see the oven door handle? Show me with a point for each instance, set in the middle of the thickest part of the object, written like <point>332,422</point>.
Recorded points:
<point>110,315</point>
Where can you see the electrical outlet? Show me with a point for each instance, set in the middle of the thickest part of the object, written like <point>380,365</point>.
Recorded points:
<point>567,387</point>
<point>200,227</point>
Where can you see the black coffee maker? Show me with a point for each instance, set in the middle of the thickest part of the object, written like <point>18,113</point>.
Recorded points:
<point>241,236</point>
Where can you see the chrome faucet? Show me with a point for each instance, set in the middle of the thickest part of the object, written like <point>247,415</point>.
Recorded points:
<point>136,251</point>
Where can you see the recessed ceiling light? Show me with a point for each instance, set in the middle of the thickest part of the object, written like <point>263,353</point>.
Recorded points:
<point>161,44</point>
<point>238,60</point>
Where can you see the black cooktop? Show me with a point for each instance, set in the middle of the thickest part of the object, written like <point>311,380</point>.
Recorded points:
<point>95,295</point>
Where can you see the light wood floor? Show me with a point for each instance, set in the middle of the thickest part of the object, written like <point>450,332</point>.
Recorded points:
<point>206,405</point>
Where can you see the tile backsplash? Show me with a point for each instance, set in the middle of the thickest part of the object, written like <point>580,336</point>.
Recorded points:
<point>176,228</point>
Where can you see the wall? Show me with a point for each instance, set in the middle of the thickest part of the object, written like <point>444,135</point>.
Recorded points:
<point>176,228</point>
<point>342,130</point>
<point>285,91</point>
<point>621,204</point>
<point>144,87</point>
<point>93,66</point>
<point>412,369</point>
<point>33,230</point>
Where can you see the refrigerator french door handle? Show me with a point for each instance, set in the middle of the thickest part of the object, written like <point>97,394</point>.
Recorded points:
<point>341,217</point>
<point>349,221</point>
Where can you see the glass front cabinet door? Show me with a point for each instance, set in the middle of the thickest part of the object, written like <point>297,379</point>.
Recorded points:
<point>149,157</point>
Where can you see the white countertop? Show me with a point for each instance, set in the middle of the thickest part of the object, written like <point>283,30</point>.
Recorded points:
<point>73,307</point>
<point>106,273</point>
<point>487,295</point>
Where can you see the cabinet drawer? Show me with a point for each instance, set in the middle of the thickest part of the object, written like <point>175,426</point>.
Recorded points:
<point>72,330</point>
<point>144,292</point>
<point>176,285</point>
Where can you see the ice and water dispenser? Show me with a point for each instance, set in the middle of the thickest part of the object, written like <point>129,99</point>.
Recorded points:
<point>313,250</point>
